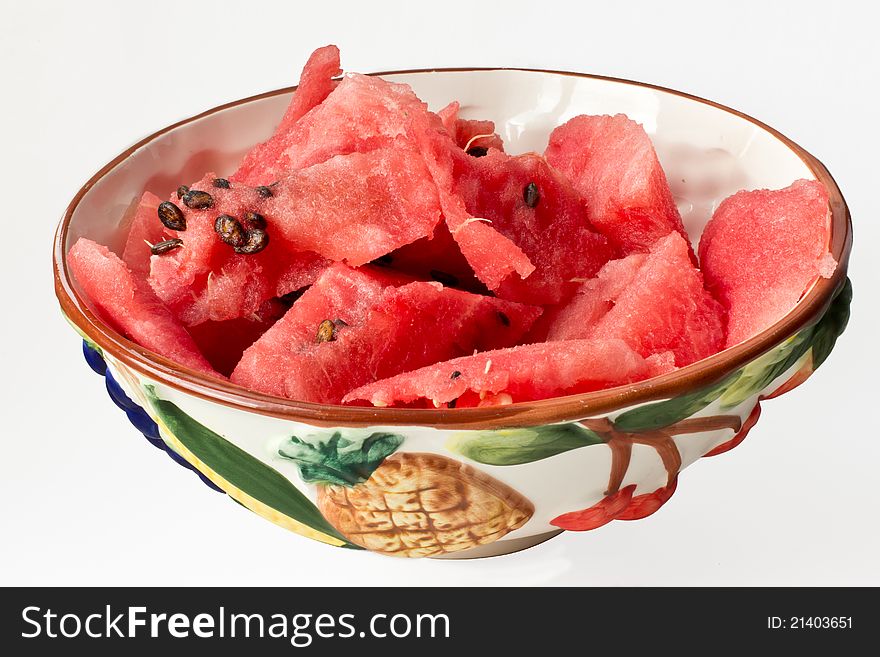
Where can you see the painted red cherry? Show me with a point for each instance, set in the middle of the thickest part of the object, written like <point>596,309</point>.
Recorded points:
<point>751,420</point>
<point>641,506</point>
<point>601,513</point>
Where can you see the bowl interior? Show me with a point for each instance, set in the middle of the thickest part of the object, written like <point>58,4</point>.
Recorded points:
<point>707,152</point>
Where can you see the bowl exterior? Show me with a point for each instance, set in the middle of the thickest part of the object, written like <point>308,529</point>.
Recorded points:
<point>419,491</point>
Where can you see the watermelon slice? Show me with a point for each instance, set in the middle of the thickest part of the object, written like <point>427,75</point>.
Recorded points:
<point>469,133</point>
<point>145,229</point>
<point>611,161</point>
<point>206,280</point>
<point>384,330</point>
<point>491,255</point>
<point>356,207</point>
<point>131,306</point>
<point>762,250</point>
<point>504,376</point>
<point>361,114</point>
<point>655,302</point>
<point>533,206</point>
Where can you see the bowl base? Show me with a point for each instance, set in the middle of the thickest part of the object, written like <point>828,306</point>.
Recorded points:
<point>502,547</point>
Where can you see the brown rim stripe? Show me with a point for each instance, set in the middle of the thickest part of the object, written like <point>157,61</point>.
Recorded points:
<point>558,409</point>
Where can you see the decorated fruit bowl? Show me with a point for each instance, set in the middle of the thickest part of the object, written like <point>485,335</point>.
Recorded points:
<point>469,482</point>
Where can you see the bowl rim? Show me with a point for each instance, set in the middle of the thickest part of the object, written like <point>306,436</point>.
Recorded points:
<point>556,409</point>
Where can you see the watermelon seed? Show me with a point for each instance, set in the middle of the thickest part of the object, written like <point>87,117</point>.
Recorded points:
<point>326,331</point>
<point>230,231</point>
<point>531,195</point>
<point>257,240</point>
<point>183,189</point>
<point>442,277</point>
<point>455,374</point>
<point>452,403</point>
<point>477,151</point>
<point>171,216</point>
<point>221,183</point>
<point>503,318</point>
<point>488,367</point>
<point>197,200</point>
<point>253,221</point>
<point>264,191</point>
<point>165,246</point>
<point>486,135</point>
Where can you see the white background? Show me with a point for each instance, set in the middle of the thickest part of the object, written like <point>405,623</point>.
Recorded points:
<point>86,501</point>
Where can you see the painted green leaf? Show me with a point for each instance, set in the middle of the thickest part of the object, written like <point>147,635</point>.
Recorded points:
<point>240,468</point>
<point>516,446</point>
<point>651,417</point>
<point>339,460</point>
<point>758,374</point>
<point>832,324</point>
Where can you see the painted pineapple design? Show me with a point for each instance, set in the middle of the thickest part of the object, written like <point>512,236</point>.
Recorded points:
<point>406,504</point>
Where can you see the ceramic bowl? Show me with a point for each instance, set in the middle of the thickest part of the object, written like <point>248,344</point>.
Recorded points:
<point>465,482</point>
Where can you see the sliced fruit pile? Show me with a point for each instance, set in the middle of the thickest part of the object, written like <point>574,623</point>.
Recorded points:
<point>375,252</point>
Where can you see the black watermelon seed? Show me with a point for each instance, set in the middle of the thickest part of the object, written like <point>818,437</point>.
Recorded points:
<point>183,189</point>
<point>257,240</point>
<point>171,216</point>
<point>503,318</point>
<point>220,183</point>
<point>442,277</point>
<point>455,374</point>
<point>326,331</point>
<point>264,191</point>
<point>531,195</point>
<point>198,200</point>
<point>477,151</point>
<point>452,403</point>
<point>166,245</point>
<point>252,221</point>
<point>230,231</point>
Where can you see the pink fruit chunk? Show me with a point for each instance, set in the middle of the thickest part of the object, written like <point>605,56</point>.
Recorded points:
<point>469,132</point>
<point>206,280</point>
<point>524,373</point>
<point>361,114</point>
<point>655,302</point>
<point>315,84</point>
<point>356,207</point>
<point>491,255</point>
<point>532,205</point>
<point>762,250</point>
<point>611,161</point>
<point>384,330</point>
<point>144,229</point>
<point>129,304</point>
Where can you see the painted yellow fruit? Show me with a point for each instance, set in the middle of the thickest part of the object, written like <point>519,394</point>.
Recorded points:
<point>422,505</point>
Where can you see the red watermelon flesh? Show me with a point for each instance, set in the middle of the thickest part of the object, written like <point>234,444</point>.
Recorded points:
<point>386,330</point>
<point>611,161</point>
<point>469,132</point>
<point>315,84</point>
<point>131,306</point>
<point>762,250</point>
<point>339,293</point>
<point>491,255</point>
<point>223,343</point>
<point>437,258</point>
<point>654,302</point>
<point>144,229</point>
<point>205,280</point>
<point>555,234</point>
<point>357,207</point>
<point>524,373</point>
<point>361,114</point>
